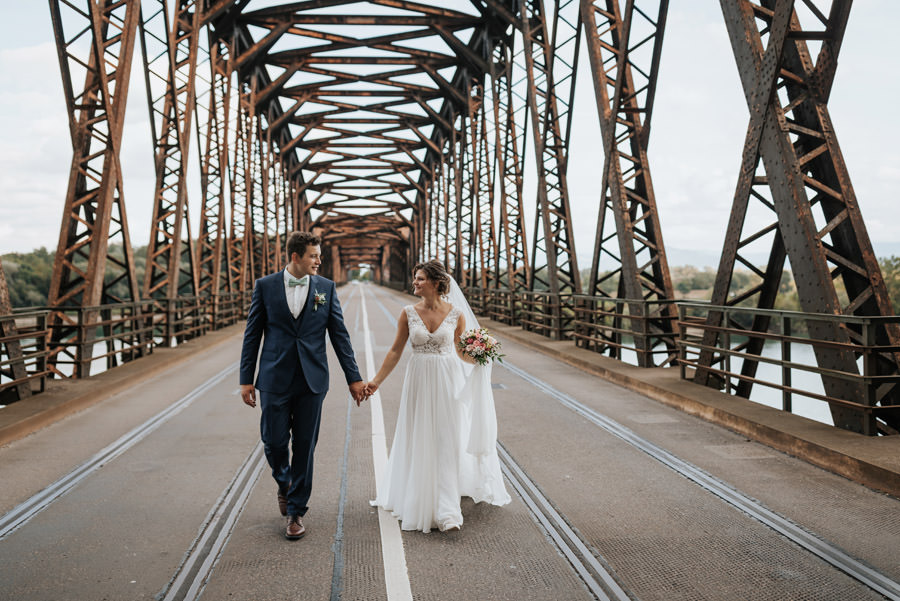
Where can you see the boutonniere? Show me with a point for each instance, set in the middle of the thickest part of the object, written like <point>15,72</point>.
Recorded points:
<point>318,299</point>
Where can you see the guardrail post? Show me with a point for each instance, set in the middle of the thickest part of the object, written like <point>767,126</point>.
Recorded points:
<point>727,363</point>
<point>78,366</point>
<point>170,321</point>
<point>869,370</point>
<point>40,337</point>
<point>644,349</point>
<point>681,342</point>
<point>214,311</point>
<point>786,399</point>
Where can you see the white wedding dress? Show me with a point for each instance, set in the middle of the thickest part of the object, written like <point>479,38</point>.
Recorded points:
<point>430,467</point>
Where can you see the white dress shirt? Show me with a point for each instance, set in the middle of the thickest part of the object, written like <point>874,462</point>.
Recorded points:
<point>296,295</point>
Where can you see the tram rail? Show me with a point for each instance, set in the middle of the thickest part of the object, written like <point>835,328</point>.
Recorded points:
<point>811,542</point>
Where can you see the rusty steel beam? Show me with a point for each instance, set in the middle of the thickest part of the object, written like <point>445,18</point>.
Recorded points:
<point>85,273</point>
<point>213,256</point>
<point>240,232</point>
<point>485,240</point>
<point>628,229</point>
<point>170,47</point>
<point>453,200</point>
<point>511,119</point>
<point>442,214</point>
<point>260,210</point>
<point>793,164</point>
<point>553,258</point>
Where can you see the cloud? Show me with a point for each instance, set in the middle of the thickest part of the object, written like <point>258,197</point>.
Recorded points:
<point>36,151</point>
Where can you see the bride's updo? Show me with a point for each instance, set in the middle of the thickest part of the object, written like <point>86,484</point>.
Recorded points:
<point>434,271</point>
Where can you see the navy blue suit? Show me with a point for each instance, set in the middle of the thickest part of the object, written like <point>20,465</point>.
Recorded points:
<point>293,375</point>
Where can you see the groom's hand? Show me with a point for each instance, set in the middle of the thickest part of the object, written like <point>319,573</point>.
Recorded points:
<point>357,391</point>
<point>248,394</point>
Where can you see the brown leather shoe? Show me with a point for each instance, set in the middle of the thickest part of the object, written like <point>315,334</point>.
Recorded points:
<point>282,503</point>
<point>295,528</point>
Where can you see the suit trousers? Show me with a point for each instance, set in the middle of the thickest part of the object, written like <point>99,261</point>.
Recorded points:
<point>291,419</point>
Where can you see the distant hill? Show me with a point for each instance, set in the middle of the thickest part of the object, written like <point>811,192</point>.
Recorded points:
<point>710,257</point>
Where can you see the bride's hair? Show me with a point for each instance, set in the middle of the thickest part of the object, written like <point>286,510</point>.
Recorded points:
<point>434,271</point>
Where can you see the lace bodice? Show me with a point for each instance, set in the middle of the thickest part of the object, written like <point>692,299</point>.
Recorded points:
<point>439,342</point>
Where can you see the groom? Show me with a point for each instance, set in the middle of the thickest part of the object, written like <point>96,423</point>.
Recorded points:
<point>294,308</point>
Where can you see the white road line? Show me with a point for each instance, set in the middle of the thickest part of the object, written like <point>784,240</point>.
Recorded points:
<point>396,576</point>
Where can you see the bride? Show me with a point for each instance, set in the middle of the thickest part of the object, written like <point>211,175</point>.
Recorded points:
<point>444,445</point>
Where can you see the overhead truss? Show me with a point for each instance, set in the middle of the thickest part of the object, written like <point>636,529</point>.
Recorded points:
<point>403,130</point>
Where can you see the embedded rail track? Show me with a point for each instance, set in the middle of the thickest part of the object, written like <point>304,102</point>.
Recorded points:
<point>588,564</point>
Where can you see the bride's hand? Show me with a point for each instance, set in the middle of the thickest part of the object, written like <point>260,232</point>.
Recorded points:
<point>465,358</point>
<point>371,387</point>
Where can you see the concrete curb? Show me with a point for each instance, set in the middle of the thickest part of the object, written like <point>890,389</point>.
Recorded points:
<point>871,461</point>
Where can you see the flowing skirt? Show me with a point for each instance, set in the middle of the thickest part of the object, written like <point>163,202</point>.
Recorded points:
<point>429,468</point>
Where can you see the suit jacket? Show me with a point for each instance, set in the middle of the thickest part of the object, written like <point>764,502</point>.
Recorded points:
<point>291,343</point>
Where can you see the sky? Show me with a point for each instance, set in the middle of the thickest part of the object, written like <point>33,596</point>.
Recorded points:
<point>699,123</point>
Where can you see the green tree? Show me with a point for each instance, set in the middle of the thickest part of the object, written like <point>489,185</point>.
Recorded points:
<point>28,276</point>
<point>890,270</point>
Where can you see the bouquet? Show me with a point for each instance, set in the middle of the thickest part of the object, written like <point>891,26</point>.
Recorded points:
<point>480,346</point>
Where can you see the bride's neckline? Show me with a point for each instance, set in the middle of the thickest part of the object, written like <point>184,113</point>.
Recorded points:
<point>440,323</point>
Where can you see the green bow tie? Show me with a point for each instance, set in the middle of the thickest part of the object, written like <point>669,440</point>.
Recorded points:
<point>301,282</point>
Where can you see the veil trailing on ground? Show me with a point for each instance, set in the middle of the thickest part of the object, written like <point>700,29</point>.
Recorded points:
<point>481,430</point>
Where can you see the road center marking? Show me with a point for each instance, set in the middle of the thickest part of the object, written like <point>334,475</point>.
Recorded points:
<point>396,576</point>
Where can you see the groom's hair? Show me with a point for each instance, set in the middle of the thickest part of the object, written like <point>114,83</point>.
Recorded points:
<point>297,242</point>
<point>434,271</point>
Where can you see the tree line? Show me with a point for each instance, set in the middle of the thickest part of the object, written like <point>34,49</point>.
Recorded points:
<point>28,276</point>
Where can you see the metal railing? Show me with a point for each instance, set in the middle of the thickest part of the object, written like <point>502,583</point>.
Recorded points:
<point>622,328</point>
<point>502,305</point>
<point>104,336</point>
<point>113,333</point>
<point>23,355</point>
<point>478,299</point>
<point>735,369</point>
<point>547,314</point>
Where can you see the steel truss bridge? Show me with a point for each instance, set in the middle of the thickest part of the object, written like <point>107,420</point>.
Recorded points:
<point>401,130</point>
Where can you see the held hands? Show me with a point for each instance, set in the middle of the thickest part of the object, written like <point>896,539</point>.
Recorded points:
<point>361,391</point>
<point>358,391</point>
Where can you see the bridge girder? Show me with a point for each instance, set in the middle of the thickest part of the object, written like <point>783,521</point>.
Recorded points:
<point>399,130</point>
